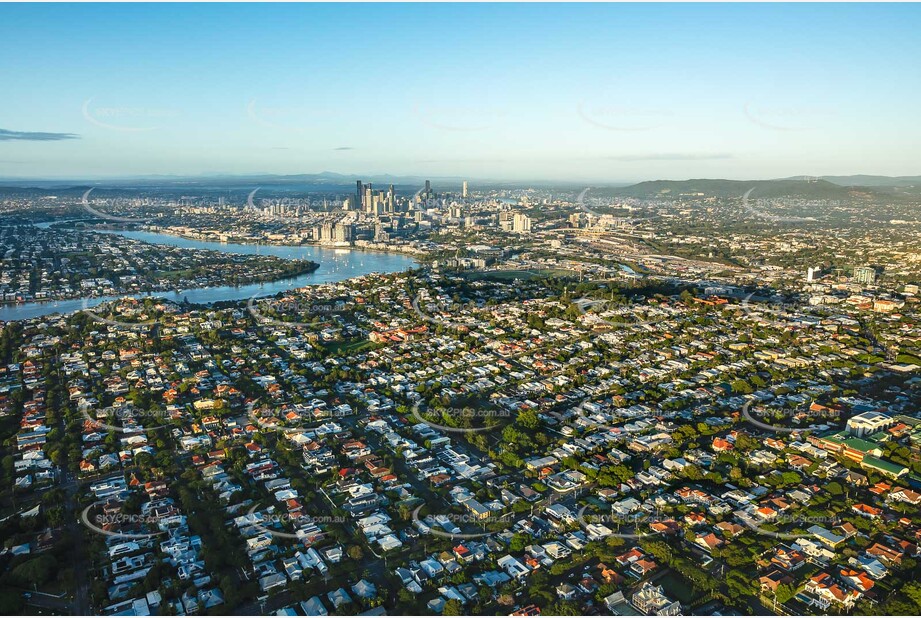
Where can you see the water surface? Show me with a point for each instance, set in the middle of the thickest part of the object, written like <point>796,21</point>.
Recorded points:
<point>335,265</point>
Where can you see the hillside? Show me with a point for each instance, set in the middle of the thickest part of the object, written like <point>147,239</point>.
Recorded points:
<point>809,189</point>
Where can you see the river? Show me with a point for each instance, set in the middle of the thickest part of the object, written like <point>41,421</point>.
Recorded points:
<point>335,265</point>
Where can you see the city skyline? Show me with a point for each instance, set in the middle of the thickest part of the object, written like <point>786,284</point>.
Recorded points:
<point>614,93</point>
<point>519,309</point>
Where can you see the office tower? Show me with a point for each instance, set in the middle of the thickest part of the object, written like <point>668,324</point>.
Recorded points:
<point>521,223</point>
<point>390,199</point>
<point>464,190</point>
<point>360,192</point>
<point>865,275</point>
<point>343,232</point>
<point>428,188</point>
<point>367,201</point>
<point>324,233</point>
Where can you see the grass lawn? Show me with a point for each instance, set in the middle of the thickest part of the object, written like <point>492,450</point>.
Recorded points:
<point>677,587</point>
<point>527,275</point>
<point>341,347</point>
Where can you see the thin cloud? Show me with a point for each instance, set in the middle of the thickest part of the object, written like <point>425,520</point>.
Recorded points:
<point>670,157</point>
<point>459,161</point>
<point>34,136</point>
<point>344,148</point>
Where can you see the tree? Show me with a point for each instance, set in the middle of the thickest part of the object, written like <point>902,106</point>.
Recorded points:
<point>742,387</point>
<point>739,585</point>
<point>10,602</point>
<point>406,597</point>
<point>693,473</point>
<point>563,608</point>
<point>355,552</point>
<point>519,542</point>
<point>453,607</point>
<point>785,592</point>
<point>528,419</point>
<point>34,572</point>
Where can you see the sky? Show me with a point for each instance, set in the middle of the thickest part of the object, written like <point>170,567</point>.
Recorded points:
<point>606,93</point>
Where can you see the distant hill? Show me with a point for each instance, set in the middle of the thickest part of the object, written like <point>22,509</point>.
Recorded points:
<point>862,180</point>
<point>27,190</point>
<point>809,189</point>
<point>826,187</point>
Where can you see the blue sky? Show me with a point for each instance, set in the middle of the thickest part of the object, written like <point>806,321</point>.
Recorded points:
<point>540,91</point>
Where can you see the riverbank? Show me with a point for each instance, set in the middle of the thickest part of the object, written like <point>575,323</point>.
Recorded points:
<point>291,273</point>
<point>334,265</point>
<point>373,248</point>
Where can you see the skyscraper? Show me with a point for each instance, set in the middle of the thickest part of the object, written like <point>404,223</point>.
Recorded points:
<point>343,233</point>
<point>865,275</point>
<point>521,223</point>
<point>367,202</point>
<point>464,190</point>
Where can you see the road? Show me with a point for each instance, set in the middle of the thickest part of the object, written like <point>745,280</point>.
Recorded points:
<point>79,563</point>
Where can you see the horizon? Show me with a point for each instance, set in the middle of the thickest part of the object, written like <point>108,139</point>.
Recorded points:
<point>516,93</point>
<point>460,309</point>
<point>440,178</point>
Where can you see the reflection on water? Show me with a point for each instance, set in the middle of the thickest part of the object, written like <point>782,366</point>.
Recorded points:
<point>335,265</point>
